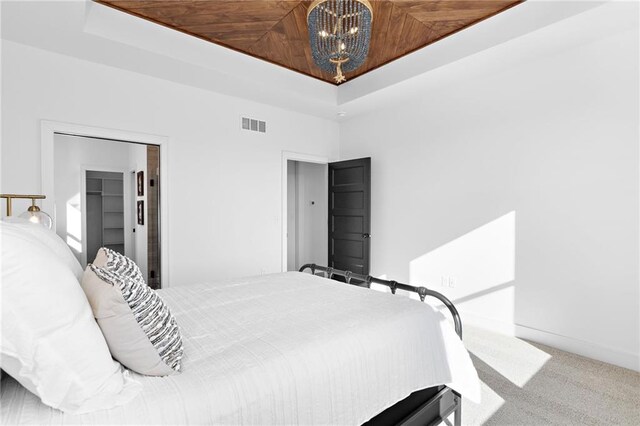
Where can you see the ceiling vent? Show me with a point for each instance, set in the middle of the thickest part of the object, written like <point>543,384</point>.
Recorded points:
<point>253,125</point>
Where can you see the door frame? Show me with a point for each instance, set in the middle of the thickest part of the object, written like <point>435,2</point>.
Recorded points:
<point>294,156</point>
<point>48,129</point>
<point>126,204</point>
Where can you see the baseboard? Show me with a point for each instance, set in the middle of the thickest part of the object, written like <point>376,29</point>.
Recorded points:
<point>580,347</point>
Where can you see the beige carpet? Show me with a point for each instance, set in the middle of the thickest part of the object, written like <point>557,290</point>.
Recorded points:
<point>525,383</point>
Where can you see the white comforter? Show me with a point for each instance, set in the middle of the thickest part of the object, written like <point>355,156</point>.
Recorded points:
<point>284,349</point>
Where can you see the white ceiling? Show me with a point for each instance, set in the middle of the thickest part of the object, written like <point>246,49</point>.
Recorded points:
<point>94,32</point>
<point>577,29</point>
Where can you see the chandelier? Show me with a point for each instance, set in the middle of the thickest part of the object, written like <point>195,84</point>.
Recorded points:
<point>339,32</point>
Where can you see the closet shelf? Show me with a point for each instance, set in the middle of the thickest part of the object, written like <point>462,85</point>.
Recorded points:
<point>113,243</point>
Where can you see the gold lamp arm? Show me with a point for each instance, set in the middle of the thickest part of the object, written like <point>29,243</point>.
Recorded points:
<point>10,197</point>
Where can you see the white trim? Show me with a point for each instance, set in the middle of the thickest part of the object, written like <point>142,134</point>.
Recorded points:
<point>47,132</point>
<point>581,347</point>
<point>294,156</point>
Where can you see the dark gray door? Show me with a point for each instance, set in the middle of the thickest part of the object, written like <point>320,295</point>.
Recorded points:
<point>350,215</point>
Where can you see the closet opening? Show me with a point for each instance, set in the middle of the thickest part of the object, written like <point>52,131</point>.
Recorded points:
<point>307,210</point>
<point>107,194</point>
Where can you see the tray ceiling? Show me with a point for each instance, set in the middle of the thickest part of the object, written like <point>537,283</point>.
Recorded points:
<point>276,31</point>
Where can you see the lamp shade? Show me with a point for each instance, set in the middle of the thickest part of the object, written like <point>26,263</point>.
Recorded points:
<point>35,215</point>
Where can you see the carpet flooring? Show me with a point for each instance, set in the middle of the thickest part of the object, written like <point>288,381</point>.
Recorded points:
<point>525,383</point>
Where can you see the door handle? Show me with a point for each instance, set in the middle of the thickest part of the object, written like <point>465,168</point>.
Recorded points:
<point>366,235</point>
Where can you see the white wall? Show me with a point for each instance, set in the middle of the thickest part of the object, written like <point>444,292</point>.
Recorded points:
<point>518,184</point>
<point>71,154</point>
<point>219,177</point>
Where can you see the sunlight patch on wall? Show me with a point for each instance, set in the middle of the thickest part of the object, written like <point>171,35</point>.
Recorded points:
<point>74,244</point>
<point>74,223</point>
<point>476,270</point>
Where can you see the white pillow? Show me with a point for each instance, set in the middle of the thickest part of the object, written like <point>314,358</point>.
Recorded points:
<point>50,342</point>
<point>52,240</point>
<point>136,323</point>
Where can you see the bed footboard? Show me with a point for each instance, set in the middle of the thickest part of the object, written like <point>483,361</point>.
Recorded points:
<point>431,409</point>
<point>366,280</point>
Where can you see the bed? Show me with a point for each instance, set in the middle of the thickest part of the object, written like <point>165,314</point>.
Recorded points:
<point>292,348</point>
<point>289,348</point>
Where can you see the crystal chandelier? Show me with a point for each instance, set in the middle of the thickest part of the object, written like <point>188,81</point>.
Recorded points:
<point>339,32</point>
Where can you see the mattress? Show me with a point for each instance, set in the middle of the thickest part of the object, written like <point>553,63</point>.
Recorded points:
<point>287,348</point>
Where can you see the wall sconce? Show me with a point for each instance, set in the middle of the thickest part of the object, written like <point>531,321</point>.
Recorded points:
<point>33,213</point>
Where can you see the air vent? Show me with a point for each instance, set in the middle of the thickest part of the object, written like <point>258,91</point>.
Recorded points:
<point>253,125</point>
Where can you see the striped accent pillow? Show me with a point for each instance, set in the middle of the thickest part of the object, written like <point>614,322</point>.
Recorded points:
<point>137,324</point>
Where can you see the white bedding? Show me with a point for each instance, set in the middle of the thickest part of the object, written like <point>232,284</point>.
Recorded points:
<point>283,349</point>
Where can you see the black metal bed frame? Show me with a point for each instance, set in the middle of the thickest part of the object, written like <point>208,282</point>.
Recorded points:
<point>425,407</point>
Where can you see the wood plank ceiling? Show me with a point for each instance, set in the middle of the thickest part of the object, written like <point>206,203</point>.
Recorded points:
<point>276,31</point>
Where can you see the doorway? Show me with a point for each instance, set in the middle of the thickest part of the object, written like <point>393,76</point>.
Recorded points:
<point>306,212</point>
<point>106,194</point>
